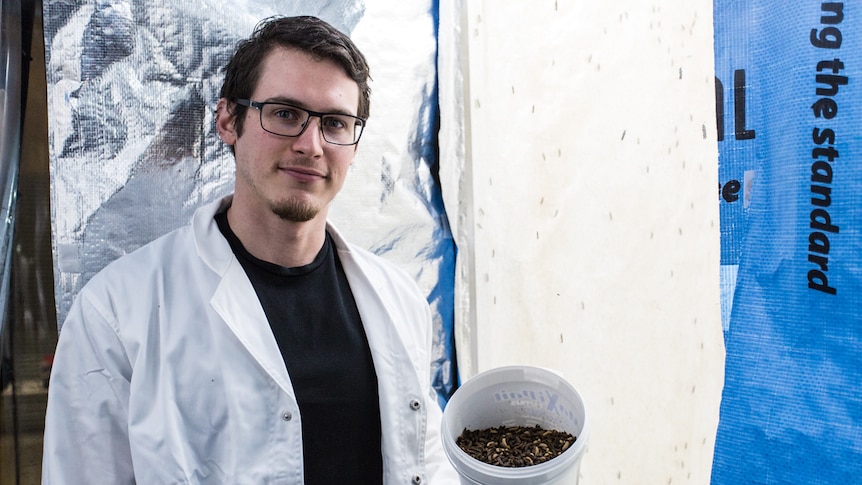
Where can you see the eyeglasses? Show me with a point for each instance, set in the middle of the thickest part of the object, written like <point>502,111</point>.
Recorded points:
<point>288,120</point>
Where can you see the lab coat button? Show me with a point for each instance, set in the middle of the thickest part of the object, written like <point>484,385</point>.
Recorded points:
<point>417,479</point>
<point>415,405</point>
<point>287,416</point>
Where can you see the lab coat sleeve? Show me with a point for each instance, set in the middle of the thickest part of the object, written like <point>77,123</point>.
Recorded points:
<point>86,425</point>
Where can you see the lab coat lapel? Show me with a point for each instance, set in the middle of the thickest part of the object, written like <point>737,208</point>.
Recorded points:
<point>234,299</point>
<point>382,334</point>
<point>237,304</point>
<point>376,319</point>
<point>395,384</point>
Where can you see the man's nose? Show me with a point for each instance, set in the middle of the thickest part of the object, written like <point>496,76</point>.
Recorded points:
<point>310,140</point>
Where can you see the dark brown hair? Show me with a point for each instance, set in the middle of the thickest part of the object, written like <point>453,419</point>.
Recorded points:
<point>306,34</point>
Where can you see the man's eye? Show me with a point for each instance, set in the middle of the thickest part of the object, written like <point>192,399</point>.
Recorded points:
<point>286,114</point>
<point>334,123</point>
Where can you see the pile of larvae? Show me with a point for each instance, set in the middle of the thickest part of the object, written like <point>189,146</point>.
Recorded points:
<point>514,446</point>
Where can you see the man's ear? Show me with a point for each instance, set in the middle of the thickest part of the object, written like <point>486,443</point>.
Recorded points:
<point>225,122</point>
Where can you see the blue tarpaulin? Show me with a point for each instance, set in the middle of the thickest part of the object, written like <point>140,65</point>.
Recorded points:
<point>789,106</point>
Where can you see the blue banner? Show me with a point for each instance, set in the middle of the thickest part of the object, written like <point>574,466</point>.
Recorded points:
<point>789,105</point>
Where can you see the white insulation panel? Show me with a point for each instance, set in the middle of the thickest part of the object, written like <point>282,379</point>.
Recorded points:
<point>586,215</point>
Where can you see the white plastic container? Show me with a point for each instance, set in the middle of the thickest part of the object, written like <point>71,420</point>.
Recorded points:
<point>516,396</point>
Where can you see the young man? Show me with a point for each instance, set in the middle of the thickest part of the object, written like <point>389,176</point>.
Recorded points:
<point>255,345</point>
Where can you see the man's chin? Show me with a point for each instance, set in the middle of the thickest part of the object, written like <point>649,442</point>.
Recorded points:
<point>293,211</point>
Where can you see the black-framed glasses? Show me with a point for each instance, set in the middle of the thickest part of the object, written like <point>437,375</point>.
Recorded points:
<point>287,120</point>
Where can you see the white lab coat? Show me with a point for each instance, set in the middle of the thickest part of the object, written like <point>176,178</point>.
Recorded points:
<point>166,371</point>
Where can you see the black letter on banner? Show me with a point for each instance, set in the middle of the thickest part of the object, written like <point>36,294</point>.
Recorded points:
<point>739,106</point>
<point>825,107</point>
<point>817,281</point>
<point>821,221</point>
<point>818,243</point>
<point>826,192</point>
<point>719,109</point>
<point>730,192</point>
<point>819,261</point>
<point>833,81</point>
<point>826,136</point>
<point>821,172</point>
<point>829,152</point>
<point>837,8</point>
<point>828,38</point>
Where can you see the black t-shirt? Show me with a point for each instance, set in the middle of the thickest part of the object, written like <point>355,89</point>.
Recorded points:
<point>318,329</point>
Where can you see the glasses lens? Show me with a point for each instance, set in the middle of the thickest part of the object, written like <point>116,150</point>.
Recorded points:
<point>282,119</point>
<point>341,129</point>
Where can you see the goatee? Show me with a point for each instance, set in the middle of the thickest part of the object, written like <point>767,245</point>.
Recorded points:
<point>295,211</point>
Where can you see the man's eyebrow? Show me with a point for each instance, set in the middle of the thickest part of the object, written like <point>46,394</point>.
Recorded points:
<point>300,104</point>
<point>284,100</point>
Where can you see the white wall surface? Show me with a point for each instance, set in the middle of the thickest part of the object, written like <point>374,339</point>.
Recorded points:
<point>586,214</point>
